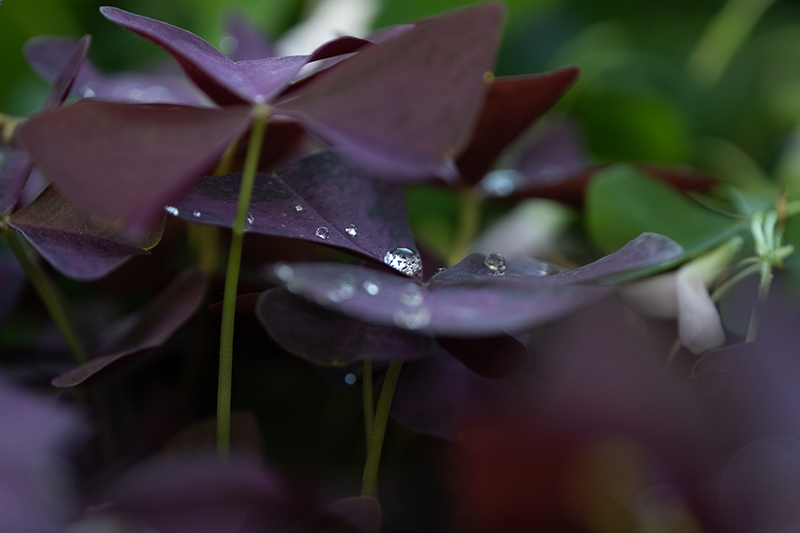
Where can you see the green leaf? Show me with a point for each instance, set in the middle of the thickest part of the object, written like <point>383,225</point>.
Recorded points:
<point>621,204</point>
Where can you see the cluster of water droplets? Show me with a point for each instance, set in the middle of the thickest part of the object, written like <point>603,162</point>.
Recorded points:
<point>412,314</point>
<point>404,260</point>
<point>496,263</point>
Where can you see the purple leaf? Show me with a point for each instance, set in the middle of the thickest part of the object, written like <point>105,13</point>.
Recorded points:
<point>556,156</point>
<point>149,328</point>
<point>495,356</point>
<point>328,338</point>
<point>126,161</point>
<point>248,40</point>
<point>405,107</point>
<point>14,169</point>
<point>225,81</point>
<point>48,55</point>
<point>360,514</point>
<point>201,494</point>
<point>512,105</point>
<point>320,198</point>
<point>12,280</point>
<point>68,72</point>
<point>77,244</point>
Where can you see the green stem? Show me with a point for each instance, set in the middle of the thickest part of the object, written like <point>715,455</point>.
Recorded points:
<point>763,292</point>
<point>369,483</point>
<point>48,294</point>
<point>723,37</point>
<point>723,289</point>
<point>232,281</point>
<point>469,217</point>
<point>369,403</point>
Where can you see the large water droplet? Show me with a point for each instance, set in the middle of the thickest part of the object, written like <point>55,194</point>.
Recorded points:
<point>172,210</point>
<point>372,287</point>
<point>196,214</point>
<point>412,295</point>
<point>500,182</point>
<point>406,261</point>
<point>496,263</point>
<point>323,233</point>
<point>298,208</point>
<point>416,318</point>
<point>351,230</point>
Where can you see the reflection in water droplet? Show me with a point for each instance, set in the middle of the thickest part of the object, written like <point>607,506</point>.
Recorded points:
<point>196,214</point>
<point>372,287</point>
<point>350,379</point>
<point>284,272</point>
<point>323,233</point>
<point>500,182</point>
<point>406,261</point>
<point>250,218</point>
<point>298,208</point>
<point>172,210</point>
<point>496,263</point>
<point>413,319</point>
<point>412,295</point>
<point>351,230</point>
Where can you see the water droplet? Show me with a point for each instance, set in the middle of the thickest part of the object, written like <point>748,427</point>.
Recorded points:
<point>250,218</point>
<point>86,91</point>
<point>350,379</point>
<point>298,208</point>
<point>412,319</point>
<point>344,290</point>
<point>372,287</point>
<point>440,269</point>
<point>351,230</point>
<point>196,214</point>
<point>412,295</point>
<point>496,263</point>
<point>500,182</point>
<point>284,272</point>
<point>172,210</point>
<point>323,233</point>
<point>406,261</point>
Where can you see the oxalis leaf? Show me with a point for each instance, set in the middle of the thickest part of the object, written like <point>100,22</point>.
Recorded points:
<point>321,198</point>
<point>77,244</point>
<point>149,328</point>
<point>470,299</point>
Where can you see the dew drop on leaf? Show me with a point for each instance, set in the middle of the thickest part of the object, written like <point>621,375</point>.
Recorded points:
<point>372,287</point>
<point>351,230</point>
<point>172,210</point>
<point>298,208</point>
<point>196,214</point>
<point>250,218</point>
<point>405,260</point>
<point>323,233</point>
<point>496,263</point>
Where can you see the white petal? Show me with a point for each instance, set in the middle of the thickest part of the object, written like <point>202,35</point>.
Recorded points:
<point>699,324</point>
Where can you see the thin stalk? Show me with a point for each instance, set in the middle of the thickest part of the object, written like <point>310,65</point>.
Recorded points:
<point>723,289</point>
<point>369,402</point>
<point>469,218</point>
<point>48,294</point>
<point>232,281</point>
<point>763,292</point>
<point>369,483</point>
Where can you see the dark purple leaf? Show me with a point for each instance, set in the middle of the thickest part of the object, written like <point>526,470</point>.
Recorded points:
<point>202,435</point>
<point>149,328</point>
<point>48,55</point>
<point>225,81</point>
<point>320,198</point>
<point>35,494</point>
<point>512,105</point>
<point>201,494</point>
<point>78,244</point>
<point>12,280</point>
<point>556,156</point>
<point>248,42</point>
<point>67,74</point>
<point>126,161</point>
<point>14,169</point>
<point>360,514</point>
<point>495,356</point>
<point>406,106</point>
<point>328,338</point>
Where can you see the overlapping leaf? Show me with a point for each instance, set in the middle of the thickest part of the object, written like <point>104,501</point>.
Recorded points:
<point>248,41</point>
<point>479,303</point>
<point>405,106</point>
<point>321,198</point>
<point>149,328</point>
<point>126,161</point>
<point>78,244</point>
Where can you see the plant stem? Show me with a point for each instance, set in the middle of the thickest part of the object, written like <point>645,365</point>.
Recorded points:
<point>369,483</point>
<point>469,217</point>
<point>369,403</point>
<point>232,281</point>
<point>763,292</point>
<point>48,294</point>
